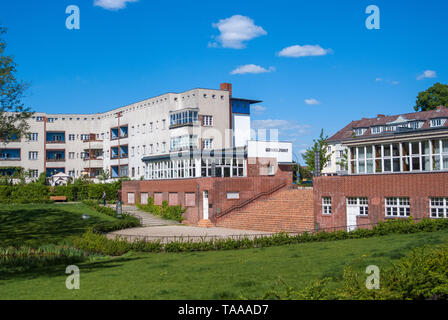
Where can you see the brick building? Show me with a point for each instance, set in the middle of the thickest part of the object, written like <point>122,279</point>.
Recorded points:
<point>396,167</point>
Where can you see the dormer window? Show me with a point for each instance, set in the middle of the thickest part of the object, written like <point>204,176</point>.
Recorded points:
<point>359,131</point>
<point>437,122</point>
<point>377,129</point>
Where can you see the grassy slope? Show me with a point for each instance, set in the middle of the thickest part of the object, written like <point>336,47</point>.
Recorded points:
<point>214,275</point>
<point>44,223</point>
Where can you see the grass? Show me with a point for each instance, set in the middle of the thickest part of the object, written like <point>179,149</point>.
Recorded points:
<point>213,275</point>
<point>44,223</point>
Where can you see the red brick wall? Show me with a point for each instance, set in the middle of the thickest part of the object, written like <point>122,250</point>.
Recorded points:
<point>247,187</point>
<point>419,187</point>
<point>288,210</point>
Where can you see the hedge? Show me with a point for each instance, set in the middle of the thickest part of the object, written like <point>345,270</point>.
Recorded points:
<point>164,211</point>
<point>103,245</point>
<point>39,193</point>
<point>126,221</point>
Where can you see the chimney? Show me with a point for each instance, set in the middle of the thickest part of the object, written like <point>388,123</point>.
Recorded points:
<point>226,87</point>
<point>380,116</point>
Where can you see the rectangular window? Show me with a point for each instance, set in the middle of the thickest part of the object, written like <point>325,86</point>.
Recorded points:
<point>71,155</point>
<point>438,207</point>
<point>207,143</point>
<point>33,136</point>
<point>34,173</point>
<point>32,155</point>
<point>397,207</point>
<point>207,121</point>
<point>326,205</point>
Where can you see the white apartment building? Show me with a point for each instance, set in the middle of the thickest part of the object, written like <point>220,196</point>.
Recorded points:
<point>118,140</point>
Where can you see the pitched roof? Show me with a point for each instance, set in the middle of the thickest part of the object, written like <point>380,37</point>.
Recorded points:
<point>381,120</point>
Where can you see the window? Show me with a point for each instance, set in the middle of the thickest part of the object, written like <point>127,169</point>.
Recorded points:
<point>163,146</point>
<point>207,143</point>
<point>32,155</point>
<point>184,142</point>
<point>397,207</point>
<point>71,173</point>
<point>39,118</point>
<point>361,203</point>
<point>438,207</point>
<point>163,124</point>
<point>377,129</point>
<point>184,117</point>
<point>71,137</point>
<point>207,121</point>
<point>326,205</point>
<point>359,131</point>
<point>34,173</point>
<point>85,137</point>
<point>71,155</point>
<point>33,136</point>
<point>436,122</point>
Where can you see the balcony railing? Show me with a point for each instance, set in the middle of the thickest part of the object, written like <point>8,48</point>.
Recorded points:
<point>9,158</point>
<point>55,159</point>
<point>121,137</point>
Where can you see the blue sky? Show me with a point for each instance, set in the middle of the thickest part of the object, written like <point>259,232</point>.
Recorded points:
<point>146,48</point>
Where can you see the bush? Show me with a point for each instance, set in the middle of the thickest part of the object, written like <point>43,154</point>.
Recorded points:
<point>389,227</point>
<point>126,221</point>
<point>422,274</point>
<point>30,193</point>
<point>27,257</point>
<point>164,211</point>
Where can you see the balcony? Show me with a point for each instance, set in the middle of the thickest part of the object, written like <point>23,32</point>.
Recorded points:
<point>55,137</point>
<point>10,154</point>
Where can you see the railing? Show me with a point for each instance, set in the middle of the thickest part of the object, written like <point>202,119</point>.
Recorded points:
<point>246,202</point>
<point>55,159</point>
<point>55,141</point>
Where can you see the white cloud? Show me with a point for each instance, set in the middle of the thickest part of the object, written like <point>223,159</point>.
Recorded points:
<point>251,68</point>
<point>235,30</point>
<point>258,109</point>
<point>112,4</point>
<point>378,79</point>
<point>297,51</point>
<point>312,101</point>
<point>427,74</point>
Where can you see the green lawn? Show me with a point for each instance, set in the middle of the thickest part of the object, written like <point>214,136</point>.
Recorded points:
<point>213,275</point>
<point>44,223</point>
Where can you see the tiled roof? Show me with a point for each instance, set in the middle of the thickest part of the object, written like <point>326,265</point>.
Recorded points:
<point>347,131</point>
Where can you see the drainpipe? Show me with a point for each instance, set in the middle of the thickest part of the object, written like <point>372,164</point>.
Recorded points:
<point>197,191</point>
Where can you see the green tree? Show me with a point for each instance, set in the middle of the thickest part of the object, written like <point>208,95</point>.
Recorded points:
<point>431,98</point>
<point>320,145</point>
<point>343,162</point>
<point>13,113</point>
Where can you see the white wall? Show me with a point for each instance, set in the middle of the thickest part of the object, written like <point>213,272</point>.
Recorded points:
<point>282,151</point>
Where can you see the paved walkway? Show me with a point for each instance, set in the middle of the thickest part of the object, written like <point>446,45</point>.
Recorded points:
<point>156,228</point>
<point>183,233</point>
<point>146,219</point>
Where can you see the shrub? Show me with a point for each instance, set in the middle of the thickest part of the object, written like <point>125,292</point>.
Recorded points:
<point>164,211</point>
<point>30,193</point>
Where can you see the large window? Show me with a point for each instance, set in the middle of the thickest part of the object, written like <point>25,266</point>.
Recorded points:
<point>184,142</point>
<point>438,207</point>
<point>397,207</point>
<point>426,155</point>
<point>185,117</point>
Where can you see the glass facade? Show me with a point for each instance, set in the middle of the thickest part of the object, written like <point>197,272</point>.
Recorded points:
<point>413,156</point>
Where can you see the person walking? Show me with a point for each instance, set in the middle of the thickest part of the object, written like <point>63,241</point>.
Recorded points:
<point>104,198</point>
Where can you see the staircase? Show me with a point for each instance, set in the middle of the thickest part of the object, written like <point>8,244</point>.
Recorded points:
<point>289,210</point>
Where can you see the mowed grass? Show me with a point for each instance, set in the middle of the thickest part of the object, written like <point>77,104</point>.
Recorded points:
<point>44,223</point>
<point>247,273</point>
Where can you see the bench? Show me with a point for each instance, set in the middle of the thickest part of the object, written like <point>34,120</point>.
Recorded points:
<point>58,198</point>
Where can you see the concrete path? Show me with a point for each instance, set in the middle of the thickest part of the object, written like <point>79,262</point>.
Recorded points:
<point>183,233</point>
<point>147,219</point>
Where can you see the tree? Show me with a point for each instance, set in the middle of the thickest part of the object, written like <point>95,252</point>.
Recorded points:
<point>343,162</point>
<point>104,175</point>
<point>435,96</point>
<point>321,146</point>
<point>13,113</point>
